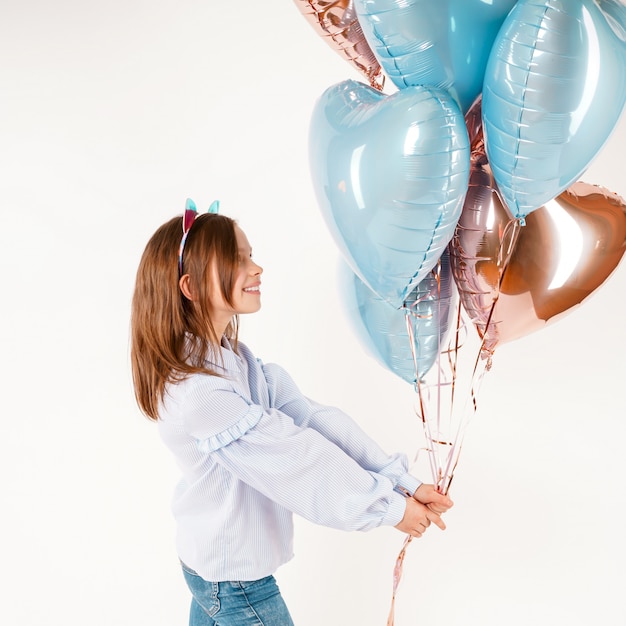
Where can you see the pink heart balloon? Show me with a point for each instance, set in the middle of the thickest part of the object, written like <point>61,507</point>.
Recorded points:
<point>337,24</point>
<point>566,250</point>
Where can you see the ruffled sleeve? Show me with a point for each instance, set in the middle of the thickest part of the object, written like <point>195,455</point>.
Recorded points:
<point>215,414</point>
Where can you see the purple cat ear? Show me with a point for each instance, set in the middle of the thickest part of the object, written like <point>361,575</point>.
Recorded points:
<point>190,214</point>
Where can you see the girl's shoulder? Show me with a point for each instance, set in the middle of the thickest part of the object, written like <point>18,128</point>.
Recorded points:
<point>246,354</point>
<point>244,351</point>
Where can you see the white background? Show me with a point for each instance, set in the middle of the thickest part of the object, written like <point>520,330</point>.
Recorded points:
<point>111,114</point>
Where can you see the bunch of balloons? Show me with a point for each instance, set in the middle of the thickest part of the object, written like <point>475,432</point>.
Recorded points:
<point>460,192</point>
<point>462,183</point>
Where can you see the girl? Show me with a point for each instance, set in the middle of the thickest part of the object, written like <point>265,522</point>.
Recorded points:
<point>251,448</point>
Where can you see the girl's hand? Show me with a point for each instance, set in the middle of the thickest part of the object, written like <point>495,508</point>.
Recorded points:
<point>417,518</point>
<point>428,495</point>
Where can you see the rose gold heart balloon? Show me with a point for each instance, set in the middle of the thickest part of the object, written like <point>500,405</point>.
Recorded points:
<point>336,22</point>
<point>565,251</point>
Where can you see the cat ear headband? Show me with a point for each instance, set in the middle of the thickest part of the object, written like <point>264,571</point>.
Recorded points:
<point>189,217</point>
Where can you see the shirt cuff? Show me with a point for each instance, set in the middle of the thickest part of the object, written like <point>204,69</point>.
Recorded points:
<point>396,510</point>
<point>408,483</point>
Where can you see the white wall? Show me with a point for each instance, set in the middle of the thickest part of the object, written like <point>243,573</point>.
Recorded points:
<point>111,114</point>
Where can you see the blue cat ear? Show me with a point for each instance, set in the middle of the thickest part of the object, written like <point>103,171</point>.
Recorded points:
<point>215,207</point>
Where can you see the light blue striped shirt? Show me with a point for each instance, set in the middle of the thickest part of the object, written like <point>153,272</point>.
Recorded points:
<point>252,449</point>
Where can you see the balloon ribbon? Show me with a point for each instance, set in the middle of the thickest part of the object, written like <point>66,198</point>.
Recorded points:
<point>443,473</point>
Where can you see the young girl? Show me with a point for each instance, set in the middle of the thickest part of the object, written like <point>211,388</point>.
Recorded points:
<point>251,448</point>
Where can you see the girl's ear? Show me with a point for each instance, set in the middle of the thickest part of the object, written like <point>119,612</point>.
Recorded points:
<point>185,287</point>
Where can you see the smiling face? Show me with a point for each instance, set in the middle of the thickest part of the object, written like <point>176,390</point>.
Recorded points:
<point>246,295</point>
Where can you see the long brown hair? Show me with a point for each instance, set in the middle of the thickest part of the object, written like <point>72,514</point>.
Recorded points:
<point>171,336</point>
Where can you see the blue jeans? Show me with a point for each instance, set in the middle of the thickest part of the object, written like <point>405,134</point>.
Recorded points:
<point>236,603</point>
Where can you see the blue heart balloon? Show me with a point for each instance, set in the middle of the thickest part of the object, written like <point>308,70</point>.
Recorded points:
<point>390,174</point>
<point>554,90</point>
<point>615,13</point>
<point>382,329</point>
<point>438,43</point>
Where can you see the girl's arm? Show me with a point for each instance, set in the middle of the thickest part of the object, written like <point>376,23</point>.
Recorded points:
<point>334,425</point>
<point>293,465</point>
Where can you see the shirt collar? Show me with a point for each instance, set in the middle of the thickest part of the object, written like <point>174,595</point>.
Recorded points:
<point>230,361</point>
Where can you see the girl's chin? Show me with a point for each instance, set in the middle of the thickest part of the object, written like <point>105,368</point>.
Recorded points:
<point>249,309</point>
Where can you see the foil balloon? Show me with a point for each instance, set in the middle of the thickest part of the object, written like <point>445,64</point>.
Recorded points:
<point>442,43</point>
<point>409,351</point>
<point>554,90</point>
<point>390,174</point>
<point>615,13</point>
<point>474,123</point>
<point>337,23</point>
<point>564,252</point>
